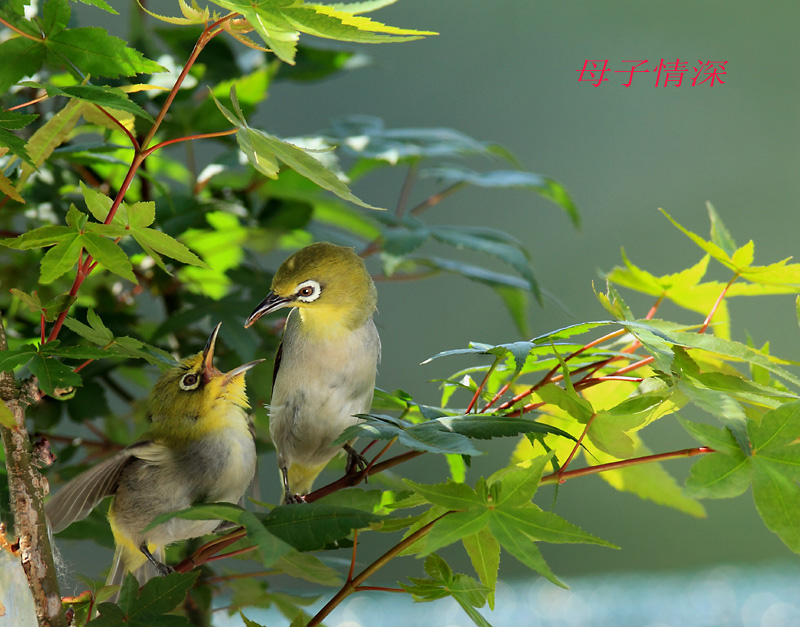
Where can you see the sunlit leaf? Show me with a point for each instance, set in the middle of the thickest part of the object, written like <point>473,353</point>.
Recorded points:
<point>96,52</point>
<point>100,95</point>
<point>719,476</point>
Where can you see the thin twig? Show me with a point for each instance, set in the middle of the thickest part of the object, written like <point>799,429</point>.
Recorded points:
<point>717,303</point>
<point>353,556</point>
<point>177,140</point>
<point>561,477</point>
<point>408,184</point>
<point>577,444</point>
<point>354,585</point>
<point>478,391</point>
<point>548,377</point>
<point>234,576</point>
<point>29,103</point>
<point>434,200</point>
<point>86,267</point>
<point>415,276</point>
<point>122,127</point>
<point>247,549</point>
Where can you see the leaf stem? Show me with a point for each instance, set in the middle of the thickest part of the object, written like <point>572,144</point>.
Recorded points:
<point>478,391</point>
<point>206,552</point>
<point>561,477</point>
<point>548,377</point>
<point>121,126</point>
<point>353,556</point>
<point>575,448</point>
<point>176,140</point>
<point>416,276</point>
<point>717,303</point>
<point>29,103</point>
<point>21,32</point>
<point>234,576</point>
<point>434,200</point>
<point>631,367</point>
<point>405,191</point>
<point>247,549</point>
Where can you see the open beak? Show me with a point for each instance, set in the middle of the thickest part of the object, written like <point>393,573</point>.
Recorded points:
<point>268,305</point>
<point>230,375</point>
<point>210,371</point>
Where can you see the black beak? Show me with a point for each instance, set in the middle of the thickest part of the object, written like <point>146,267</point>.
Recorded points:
<point>268,305</point>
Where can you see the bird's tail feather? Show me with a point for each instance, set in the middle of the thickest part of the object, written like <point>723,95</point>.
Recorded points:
<point>142,570</point>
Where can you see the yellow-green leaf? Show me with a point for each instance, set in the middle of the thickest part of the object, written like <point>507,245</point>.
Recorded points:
<point>109,255</point>
<point>6,416</point>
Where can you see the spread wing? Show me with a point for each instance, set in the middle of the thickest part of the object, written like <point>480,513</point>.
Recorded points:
<point>80,495</point>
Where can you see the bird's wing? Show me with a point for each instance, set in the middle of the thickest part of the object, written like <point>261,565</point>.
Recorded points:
<point>76,499</point>
<point>276,367</point>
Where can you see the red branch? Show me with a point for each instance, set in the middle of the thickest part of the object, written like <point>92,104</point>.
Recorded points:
<point>85,267</point>
<point>561,477</point>
<point>717,303</point>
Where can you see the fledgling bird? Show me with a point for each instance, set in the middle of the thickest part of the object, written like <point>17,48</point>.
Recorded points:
<point>199,450</point>
<point>325,367</point>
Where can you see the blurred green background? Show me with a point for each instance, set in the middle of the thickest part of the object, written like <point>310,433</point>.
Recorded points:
<point>506,71</point>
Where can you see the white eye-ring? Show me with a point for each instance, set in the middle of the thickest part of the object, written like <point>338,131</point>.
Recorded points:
<point>308,291</point>
<point>189,381</point>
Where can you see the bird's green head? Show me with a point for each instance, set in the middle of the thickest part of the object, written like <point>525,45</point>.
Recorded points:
<point>330,286</point>
<point>194,398</point>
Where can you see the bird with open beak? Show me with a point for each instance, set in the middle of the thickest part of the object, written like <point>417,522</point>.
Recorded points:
<point>199,449</point>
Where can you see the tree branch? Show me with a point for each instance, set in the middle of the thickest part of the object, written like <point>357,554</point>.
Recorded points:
<point>354,585</point>
<point>561,477</point>
<point>27,488</point>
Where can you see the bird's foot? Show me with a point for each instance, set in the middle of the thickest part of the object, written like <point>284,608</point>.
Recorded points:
<point>356,463</point>
<point>163,569</point>
<point>225,526</point>
<point>292,499</point>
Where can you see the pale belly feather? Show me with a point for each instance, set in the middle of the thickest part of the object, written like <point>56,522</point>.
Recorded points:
<point>318,389</point>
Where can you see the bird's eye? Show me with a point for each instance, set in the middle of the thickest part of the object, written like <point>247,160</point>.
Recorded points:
<point>308,291</point>
<point>189,381</point>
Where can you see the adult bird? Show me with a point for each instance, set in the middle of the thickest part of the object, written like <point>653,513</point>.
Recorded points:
<point>199,449</point>
<point>325,367</point>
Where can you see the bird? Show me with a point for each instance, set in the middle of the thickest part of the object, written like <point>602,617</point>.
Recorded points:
<point>199,449</point>
<point>326,363</point>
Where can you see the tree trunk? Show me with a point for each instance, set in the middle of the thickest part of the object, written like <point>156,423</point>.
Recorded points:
<point>27,488</point>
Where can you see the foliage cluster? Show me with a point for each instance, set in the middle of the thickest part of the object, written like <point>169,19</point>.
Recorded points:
<point>119,251</point>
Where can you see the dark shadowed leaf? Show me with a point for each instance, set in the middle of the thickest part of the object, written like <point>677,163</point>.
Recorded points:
<point>315,525</point>
<point>542,185</point>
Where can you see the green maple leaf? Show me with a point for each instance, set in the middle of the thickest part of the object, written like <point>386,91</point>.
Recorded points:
<point>135,221</point>
<point>66,244</point>
<point>501,507</point>
<point>443,582</point>
<point>773,469</point>
<point>279,24</point>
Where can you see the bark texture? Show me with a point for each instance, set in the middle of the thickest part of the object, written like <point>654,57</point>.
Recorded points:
<point>27,489</point>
